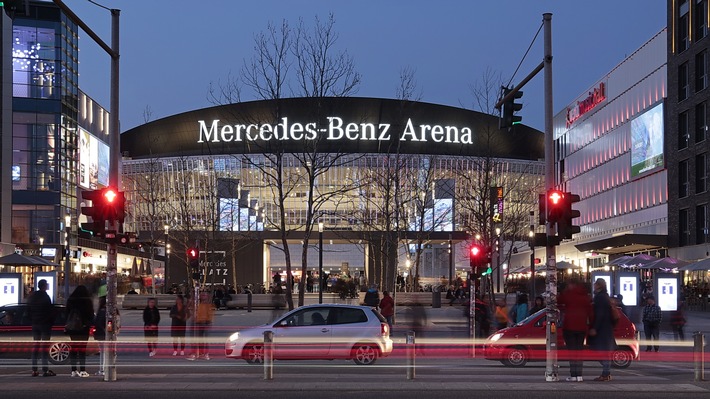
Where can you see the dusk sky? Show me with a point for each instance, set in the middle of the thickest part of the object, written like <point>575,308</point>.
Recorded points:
<point>171,50</point>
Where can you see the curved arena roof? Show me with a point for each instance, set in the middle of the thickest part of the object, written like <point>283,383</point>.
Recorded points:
<point>332,125</point>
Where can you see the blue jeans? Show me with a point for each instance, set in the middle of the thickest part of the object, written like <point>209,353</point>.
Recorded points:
<point>39,334</point>
<point>200,334</point>
<point>606,366</point>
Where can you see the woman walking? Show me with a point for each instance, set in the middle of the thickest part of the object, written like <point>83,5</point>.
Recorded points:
<point>179,316</point>
<point>80,315</point>
<point>151,319</point>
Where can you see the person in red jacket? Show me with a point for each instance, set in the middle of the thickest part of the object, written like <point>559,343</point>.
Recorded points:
<point>575,303</point>
<point>387,308</point>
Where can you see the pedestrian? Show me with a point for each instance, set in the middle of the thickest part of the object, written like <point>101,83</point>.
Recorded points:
<point>179,316</point>
<point>601,333</point>
<point>100,332</point>
<point>678,321</point>
<point>79,305</point>
<point>203,320</point>
<point>538,305</point>
<point>575,305</point>
<point>519,311</point>
<point>387,308</point>
<point>42,315</point>
<point>151,319</point>
<point>651,318</point>
<point>501,315</point>
<point>372,296</point>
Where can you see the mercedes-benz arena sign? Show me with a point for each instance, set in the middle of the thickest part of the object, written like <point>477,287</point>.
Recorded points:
<point>332,125</point>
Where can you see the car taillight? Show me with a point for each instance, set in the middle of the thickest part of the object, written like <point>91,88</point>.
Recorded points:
<point>385,329</point>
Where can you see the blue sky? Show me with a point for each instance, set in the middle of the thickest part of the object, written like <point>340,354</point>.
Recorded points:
<point>171,50</point>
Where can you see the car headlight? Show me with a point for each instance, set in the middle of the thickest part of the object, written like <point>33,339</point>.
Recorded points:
<point>234,337</point>
<point>496,337</point>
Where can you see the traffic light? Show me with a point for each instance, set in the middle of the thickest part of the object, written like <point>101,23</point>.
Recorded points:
<point>114,205</point>
<point>509,108</point>
<point>193,258</point>
<point>565,228</point>
<point>479,257</point>
<point>95,212</point>
<point>555,206</point>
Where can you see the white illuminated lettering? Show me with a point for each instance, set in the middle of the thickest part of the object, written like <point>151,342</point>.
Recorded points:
<point>367,131</point>
<point>332,127</point>
<point>206,135</point>
<point>297,128</point>
<point>437,133</point>
<point>452,131</point>
<point>384,129</point>
<point>466,136</point>
<point>351,131</point>
<point>267,129</point>
<point>409,132</point>
<point>227,133</point>
<point>311,132</point>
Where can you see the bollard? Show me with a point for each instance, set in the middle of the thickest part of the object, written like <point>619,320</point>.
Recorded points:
<point>699,355</point>
<point>268,355</point>
<point>249,301</point>
<point>411,355</point>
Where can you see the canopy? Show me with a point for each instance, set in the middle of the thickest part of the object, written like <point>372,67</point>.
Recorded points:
<point>703,264</point>
<point>620,260</point>
<point>638,260</point>
<point>665,263</point>
<point>16,259</point>
<point>44,261</point>
<point>567,265</point>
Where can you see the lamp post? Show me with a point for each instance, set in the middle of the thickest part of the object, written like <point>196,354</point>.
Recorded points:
<point>67,264</point>
<point>320,262</point>
<point>167,255</point>
<point>498,244</point>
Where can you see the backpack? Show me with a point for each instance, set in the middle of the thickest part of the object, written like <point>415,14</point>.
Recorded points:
<point>74,321</point>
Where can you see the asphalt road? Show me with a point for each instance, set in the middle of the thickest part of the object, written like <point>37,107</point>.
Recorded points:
<point>455,373</point>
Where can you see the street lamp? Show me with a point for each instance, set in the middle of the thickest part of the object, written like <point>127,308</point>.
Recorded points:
<point>67,264</point>
<point>167,255</point>
<point>320,262</point>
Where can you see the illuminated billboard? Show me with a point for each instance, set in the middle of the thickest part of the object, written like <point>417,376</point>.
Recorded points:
<point>647,141</point>
<point>94,158</point>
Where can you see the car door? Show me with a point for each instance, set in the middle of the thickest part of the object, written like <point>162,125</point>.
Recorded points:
<point>349,326</point>
<point>304,334</point>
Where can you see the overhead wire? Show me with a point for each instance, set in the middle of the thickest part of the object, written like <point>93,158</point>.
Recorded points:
<point>525,55</point>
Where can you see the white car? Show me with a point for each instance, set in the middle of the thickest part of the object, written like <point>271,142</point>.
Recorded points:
<point>327,331</point>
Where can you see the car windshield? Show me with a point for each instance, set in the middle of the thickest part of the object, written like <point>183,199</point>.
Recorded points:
<point>530,318</point>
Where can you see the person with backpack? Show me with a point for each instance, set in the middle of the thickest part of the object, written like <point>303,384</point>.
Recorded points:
<point>80,316</point>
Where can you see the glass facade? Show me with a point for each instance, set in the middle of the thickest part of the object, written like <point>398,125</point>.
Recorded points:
<point>44,125</point>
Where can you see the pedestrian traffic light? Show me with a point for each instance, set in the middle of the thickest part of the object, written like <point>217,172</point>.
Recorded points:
<point>509,107</point>
<point>114,205</point>
<point>565,227</point>
<point>193,258</point>
<point>476,256</point>
<point>555,206</point>
<point>95,212</point>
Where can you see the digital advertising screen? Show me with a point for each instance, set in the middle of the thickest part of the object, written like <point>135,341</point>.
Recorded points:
<point>93,161</point>
<point>647,141</point>
<point>51,278</point>
<point>10,288</point>
<point>628,288</point>
<point>606,277</point>
<point>667,292</point>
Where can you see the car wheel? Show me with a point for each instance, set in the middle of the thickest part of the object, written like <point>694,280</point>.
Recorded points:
<point>621,358</point>
<point>254,353</point>
<point>515,357</point>
<point>365,354</point>
<point>59,353</point>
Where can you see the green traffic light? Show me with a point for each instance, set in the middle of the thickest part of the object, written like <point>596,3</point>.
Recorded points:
<point>487,272</point>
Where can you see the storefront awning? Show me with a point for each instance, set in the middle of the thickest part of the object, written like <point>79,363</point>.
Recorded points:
<point>627,243</point>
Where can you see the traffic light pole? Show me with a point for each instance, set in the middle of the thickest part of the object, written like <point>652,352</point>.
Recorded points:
<point>551,364</point>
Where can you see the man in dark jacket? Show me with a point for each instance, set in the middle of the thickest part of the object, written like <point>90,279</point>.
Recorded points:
<point>601,335</point>
<point>576,306</point>
<point>42,316</point>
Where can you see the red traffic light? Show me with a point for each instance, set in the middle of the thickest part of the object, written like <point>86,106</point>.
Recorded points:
<point>193,253</point>
<point>109,195</point>
<point>476,250</point>
<point>555,197</point>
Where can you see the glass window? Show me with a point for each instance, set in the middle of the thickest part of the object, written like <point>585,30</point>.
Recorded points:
<point>683,130</point>
<point>683,26</point>
<point>34,64</point>
<point>701,173</point>
<point>307,317</point>
<point>349,315</point>
<point>701,223</point>
<point>701,70</point>
<point>701,126</point>
<point>683,179</point>
<point>683,231</point>
<point>683,82</point>
<point>701,19</point>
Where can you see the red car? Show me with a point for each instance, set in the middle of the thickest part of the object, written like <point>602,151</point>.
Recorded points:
<point>515,346</point>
